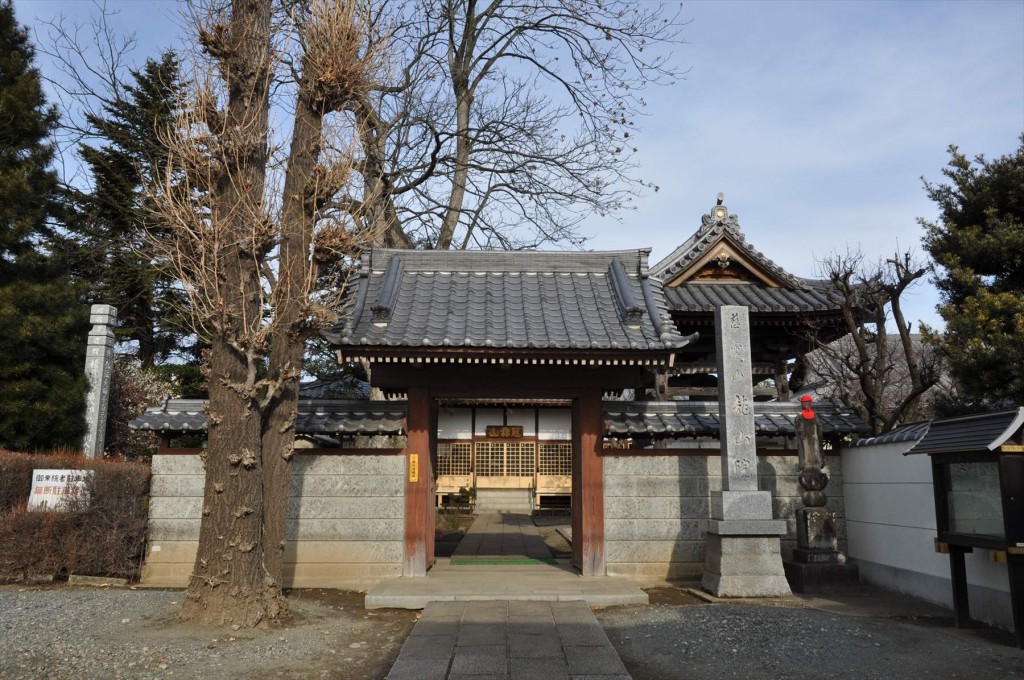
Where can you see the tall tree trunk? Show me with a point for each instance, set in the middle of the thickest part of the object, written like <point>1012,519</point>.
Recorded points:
<point>229,583</point>
<point>460,60</point>
<point>288,342</point>
<point>461,176</point>
<point>378,210</point>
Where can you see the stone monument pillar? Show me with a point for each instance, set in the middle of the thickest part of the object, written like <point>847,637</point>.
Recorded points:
<point>99,364</point>
<point>817,564</point>
<point>743,557</point>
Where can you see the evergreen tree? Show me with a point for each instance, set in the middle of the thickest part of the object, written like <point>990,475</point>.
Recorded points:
<point>108,223</point>
<point>42,323</point>
<point>978,247</point>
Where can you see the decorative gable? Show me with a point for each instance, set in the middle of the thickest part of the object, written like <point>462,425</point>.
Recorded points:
<point>718,253</point>
<point>724,261</point>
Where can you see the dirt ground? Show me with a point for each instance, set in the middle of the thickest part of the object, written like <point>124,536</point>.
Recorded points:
<point>66,632</point>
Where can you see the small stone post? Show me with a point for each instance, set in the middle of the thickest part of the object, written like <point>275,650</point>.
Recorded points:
<point>743,557</point>
<point>99,365</point>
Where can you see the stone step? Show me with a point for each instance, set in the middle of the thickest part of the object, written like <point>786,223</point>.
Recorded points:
<point>504,500</point>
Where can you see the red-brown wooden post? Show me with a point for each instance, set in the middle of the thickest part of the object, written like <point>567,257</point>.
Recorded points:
<point>588,485</point>
<point>419,503</point>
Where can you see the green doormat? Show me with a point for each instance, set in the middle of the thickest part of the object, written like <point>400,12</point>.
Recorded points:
<point>487,561</point>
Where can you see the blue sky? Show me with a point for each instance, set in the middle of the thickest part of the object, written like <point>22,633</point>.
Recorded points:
<point>816,119</point>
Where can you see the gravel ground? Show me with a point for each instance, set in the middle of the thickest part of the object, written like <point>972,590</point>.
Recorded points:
<point>83,633</point>
<point>755,642</point>
<point>64,632</point>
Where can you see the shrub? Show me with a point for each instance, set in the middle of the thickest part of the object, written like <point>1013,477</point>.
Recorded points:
<point>104,536</point>
<point>132,389</point>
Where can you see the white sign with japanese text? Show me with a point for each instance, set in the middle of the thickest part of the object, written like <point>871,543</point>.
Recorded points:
<point>51,489</point>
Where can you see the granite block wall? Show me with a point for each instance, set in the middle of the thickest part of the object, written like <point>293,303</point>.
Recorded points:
<point>657,509</point>
<point>346,520</point>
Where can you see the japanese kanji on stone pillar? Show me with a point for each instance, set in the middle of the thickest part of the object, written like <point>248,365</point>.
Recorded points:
<point>99,365</point>
<point>743,557</point>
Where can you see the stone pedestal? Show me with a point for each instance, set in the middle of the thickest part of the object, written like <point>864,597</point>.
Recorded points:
<point>820,578</point>
<point>99,365</point>
<point>745,564</point>
<point>743,557</point>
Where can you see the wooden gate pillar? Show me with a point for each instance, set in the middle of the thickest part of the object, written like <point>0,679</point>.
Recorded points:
<point>419,492</point>
<point>588,484</point>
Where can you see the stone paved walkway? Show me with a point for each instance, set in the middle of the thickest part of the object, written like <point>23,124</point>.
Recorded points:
<point>495,640</point>
<point>503,535</point>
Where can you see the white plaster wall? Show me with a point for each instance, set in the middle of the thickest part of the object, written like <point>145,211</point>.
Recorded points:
<point>488,416</point>
<point>890,518</point>
<point>345,525</point>
<point>555,424</point>
<point>455,423</point>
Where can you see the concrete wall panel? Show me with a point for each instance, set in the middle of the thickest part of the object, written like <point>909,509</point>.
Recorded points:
<point>346,523</point>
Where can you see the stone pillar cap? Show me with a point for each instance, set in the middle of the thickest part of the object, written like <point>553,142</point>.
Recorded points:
<point>103,315</point>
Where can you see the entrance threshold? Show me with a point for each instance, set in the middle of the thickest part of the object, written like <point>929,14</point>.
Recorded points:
<point>502,557</point>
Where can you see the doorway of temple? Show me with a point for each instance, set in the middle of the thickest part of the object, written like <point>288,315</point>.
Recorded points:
<point>507,456</point>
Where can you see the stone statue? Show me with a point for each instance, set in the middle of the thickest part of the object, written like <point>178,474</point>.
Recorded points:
<point>816,536</point>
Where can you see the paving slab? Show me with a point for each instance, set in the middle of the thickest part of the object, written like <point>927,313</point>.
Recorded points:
<point>485,640</point>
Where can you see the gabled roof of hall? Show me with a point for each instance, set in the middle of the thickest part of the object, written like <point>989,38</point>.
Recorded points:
<point>720,243</point>
<point>507,300</point>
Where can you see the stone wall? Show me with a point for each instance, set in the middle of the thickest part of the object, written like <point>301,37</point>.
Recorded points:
<point>346,520</point>
<point>656,510</point>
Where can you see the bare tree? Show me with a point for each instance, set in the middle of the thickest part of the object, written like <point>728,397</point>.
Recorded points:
<point>882,376</point>
<point>507,123</point>
<point>246,235</point>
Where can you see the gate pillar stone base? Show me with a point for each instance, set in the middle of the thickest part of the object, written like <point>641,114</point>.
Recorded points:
<point>744,559</point>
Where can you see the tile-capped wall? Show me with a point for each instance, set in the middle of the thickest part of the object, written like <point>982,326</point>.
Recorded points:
<point>657,509</point>
<point>345,527</point>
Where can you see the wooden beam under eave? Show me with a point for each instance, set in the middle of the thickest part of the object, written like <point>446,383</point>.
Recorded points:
<point>523,381</point>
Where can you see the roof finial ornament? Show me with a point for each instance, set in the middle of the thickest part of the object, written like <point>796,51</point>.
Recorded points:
<point>718,215</point>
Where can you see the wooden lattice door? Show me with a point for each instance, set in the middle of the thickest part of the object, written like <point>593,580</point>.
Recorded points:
<point>505,465</point>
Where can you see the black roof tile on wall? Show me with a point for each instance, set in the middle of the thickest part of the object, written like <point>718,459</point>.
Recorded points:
<point>977,433</point>
<point>321,416</point>
<point>911,432</point>
<point>694,418</point>
<point>510,300</point>
<point>658,419</point>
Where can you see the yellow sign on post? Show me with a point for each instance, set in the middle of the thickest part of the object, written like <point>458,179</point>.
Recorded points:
<point>414,467</point>
<point>1012,448</point>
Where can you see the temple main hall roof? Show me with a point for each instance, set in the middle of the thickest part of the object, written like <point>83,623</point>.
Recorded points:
<point>507,300</point>
<point>742,275</point>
